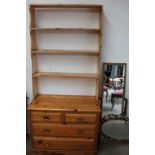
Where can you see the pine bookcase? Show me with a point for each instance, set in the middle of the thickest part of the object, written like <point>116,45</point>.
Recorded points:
<point>65,124</point>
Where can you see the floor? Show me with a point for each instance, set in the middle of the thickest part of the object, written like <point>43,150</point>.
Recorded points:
<point>108,148</point>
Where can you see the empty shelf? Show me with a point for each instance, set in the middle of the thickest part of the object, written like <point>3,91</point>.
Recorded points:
<point>67,29</point>
<point>66,75</point>
<point>66,52</point>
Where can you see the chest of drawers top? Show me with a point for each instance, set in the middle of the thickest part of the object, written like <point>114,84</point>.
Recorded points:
<point>65,103</point>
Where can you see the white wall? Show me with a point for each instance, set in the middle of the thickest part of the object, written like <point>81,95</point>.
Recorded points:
<point>115,36</point>
<point>116,33</point>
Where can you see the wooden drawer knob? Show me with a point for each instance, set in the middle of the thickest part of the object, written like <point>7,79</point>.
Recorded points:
<point>80,131</point>
<point>80,146</point>
<point>40,141</point>
<point>47,130</point>
<point>80,119</point>
<point>46,117</point>
<point>47,145</point>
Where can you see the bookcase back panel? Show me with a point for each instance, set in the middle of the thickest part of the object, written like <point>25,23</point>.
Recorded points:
<point>67,63</point>
<point>67,40</point>
<point>58,86</point>
<point>76,18</point>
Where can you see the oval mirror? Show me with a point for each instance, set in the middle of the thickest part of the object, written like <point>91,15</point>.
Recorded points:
<point>115,127</point>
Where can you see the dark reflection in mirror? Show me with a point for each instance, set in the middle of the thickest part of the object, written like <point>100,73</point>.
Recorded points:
<point>114,75</point>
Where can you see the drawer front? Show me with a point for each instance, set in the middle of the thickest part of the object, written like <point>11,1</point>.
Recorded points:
<point>60,153</point>
<point>46,116</point>
<point>64,130</point>
<point>80,118</point>
<point>66,153</point>
<point>63,143</point>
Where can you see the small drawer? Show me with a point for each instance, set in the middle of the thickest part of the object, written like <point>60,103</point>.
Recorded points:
<point>80,118</point>
<point>63,143</point>
<point>46,116</point>
<point>55,130</point>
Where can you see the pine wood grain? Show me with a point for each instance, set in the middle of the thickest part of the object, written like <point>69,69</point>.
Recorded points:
<point>65,103</point>
<point>66,52</point>
<point>66,75</point>
<point>61,152</point>
<point>64,125</point>
<point>66,29</point>
<point>64,6</point>
<point>61,130</point>
<point>63,143</point>
<point>80,118</point>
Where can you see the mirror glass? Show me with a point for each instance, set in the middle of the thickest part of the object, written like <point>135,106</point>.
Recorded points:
<point>113,88</point>
<point>114,120</point>
<point>117,129</point>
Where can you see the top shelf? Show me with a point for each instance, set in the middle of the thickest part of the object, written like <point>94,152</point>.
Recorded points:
<point>65,6</point>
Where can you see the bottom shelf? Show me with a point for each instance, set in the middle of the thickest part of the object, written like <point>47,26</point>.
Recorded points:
<point>65,102</point>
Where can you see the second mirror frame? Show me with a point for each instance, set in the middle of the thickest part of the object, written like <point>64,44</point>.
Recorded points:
<point>103,80</point>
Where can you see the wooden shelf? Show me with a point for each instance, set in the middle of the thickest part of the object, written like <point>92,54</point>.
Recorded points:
<point>64,6</point>
<point>66,29</point>
<point>66,52</point>
<point>66,75</point>
<point>95,12</point>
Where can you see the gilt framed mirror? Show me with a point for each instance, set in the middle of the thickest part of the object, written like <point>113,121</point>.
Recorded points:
<point>115,128</point>
<point>113,88</point>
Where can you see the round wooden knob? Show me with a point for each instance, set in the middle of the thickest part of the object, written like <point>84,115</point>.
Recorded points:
<point>47,145</point>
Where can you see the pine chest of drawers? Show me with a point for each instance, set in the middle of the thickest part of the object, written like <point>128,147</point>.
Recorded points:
<point>66,125</point>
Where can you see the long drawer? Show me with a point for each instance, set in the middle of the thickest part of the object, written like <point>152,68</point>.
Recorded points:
<point>60,130</point>
<point>80,118</point>
<point>59,152</point>
<point>46,116</point>
<point>63,143</point>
